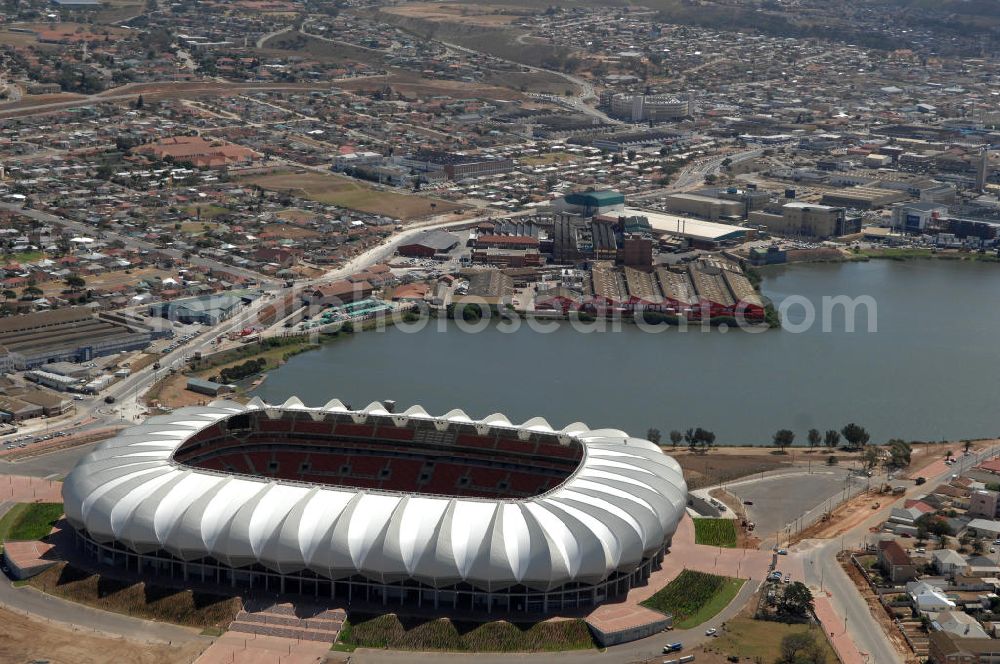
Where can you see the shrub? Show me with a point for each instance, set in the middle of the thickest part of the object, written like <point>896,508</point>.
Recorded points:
<point>392,632</point>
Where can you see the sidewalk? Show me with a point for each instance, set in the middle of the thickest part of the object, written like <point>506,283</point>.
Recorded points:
<point>250,649</point>
<point>833,625</point>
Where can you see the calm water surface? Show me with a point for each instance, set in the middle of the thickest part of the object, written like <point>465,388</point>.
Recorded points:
<point>930,371</point>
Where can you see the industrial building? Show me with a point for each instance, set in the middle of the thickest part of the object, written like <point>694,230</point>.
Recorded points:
<point>575,239</point>
<point>706,288</point>
<point>207,309</point>
<point>336,293</point>
<point>456,166</point>
<point>491,287</point>
<point>807,220</point>
<point>863,198</point>
<point>428,244</point>
<point>699,233</point>
<point>73,334</point>
<point>704,207</point>
<point>590,203</point>
<point>651,108</point>
<point>915,217</point>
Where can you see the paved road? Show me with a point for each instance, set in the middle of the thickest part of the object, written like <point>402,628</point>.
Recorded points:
<point>693,175</point>
<point>39,606</point>
<point>822,570</point>
<point>57,463</point>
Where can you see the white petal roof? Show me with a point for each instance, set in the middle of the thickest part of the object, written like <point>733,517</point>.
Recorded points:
<point>625,498</point>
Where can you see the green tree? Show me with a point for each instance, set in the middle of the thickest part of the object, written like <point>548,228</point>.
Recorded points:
<point>676,437</point>
<point>699,440</point>
<point>814,437</point>
<point>9,294</point>
<point>653,436</point>
<point>783,438</point>
<point>801,648</point>
<point>856,436</point>
<point>966,446</point>
<point>869,458</point>
<point>934,525</point>
<point>797,600</point>
<point>899,453</point>
<point>75,281</point>
<point>31,292</point>
<point>832,438</point>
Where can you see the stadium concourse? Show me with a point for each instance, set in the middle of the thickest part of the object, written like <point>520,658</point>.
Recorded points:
<point>402,509</point>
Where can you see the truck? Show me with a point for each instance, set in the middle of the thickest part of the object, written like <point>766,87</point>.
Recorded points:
<point>673,647</point>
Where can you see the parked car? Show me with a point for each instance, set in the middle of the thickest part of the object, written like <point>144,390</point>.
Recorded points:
<point>748,502</point>
<point>711,631</point>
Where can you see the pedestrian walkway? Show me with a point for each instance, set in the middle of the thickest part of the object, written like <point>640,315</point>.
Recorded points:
<point>23,489</point>
<point>685,554</point>
<point>237,648</point>
<point>834,627</point>
<point>297,621</point>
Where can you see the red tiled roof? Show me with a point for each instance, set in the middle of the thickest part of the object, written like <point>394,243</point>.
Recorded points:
<point>894,553</point>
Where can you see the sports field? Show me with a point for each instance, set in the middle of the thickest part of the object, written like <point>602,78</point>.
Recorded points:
<point>347,193</point>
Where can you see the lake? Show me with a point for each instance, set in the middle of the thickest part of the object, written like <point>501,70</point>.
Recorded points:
<point>928,372</point>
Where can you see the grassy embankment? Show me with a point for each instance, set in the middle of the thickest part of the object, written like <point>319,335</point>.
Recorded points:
<point>29,521</point>
<point>392,632</point>
<point>182,607</point>
<point>715,532</point>
<point>694,597</point>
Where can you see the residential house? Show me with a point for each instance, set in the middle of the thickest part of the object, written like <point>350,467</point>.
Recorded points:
<point>895,562</point>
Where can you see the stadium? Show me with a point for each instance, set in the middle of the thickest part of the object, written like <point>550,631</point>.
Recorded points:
<point>382,507</point>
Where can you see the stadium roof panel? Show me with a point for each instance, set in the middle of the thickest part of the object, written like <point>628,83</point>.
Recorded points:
<point>619,506</point>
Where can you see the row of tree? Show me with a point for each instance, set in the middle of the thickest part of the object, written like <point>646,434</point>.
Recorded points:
<point>854,436</point>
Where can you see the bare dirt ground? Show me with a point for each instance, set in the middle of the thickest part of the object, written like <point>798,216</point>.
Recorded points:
<point>411,84</point>
<point>24,640</point>
<point>723,465</point>
<point>843,518</point>
<point>173,393</point>
<point>345,192</point>
<point>491,16</point>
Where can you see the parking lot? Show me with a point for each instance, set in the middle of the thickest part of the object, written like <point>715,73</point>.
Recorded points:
<point>15,441</point>
<point>779,500</point>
